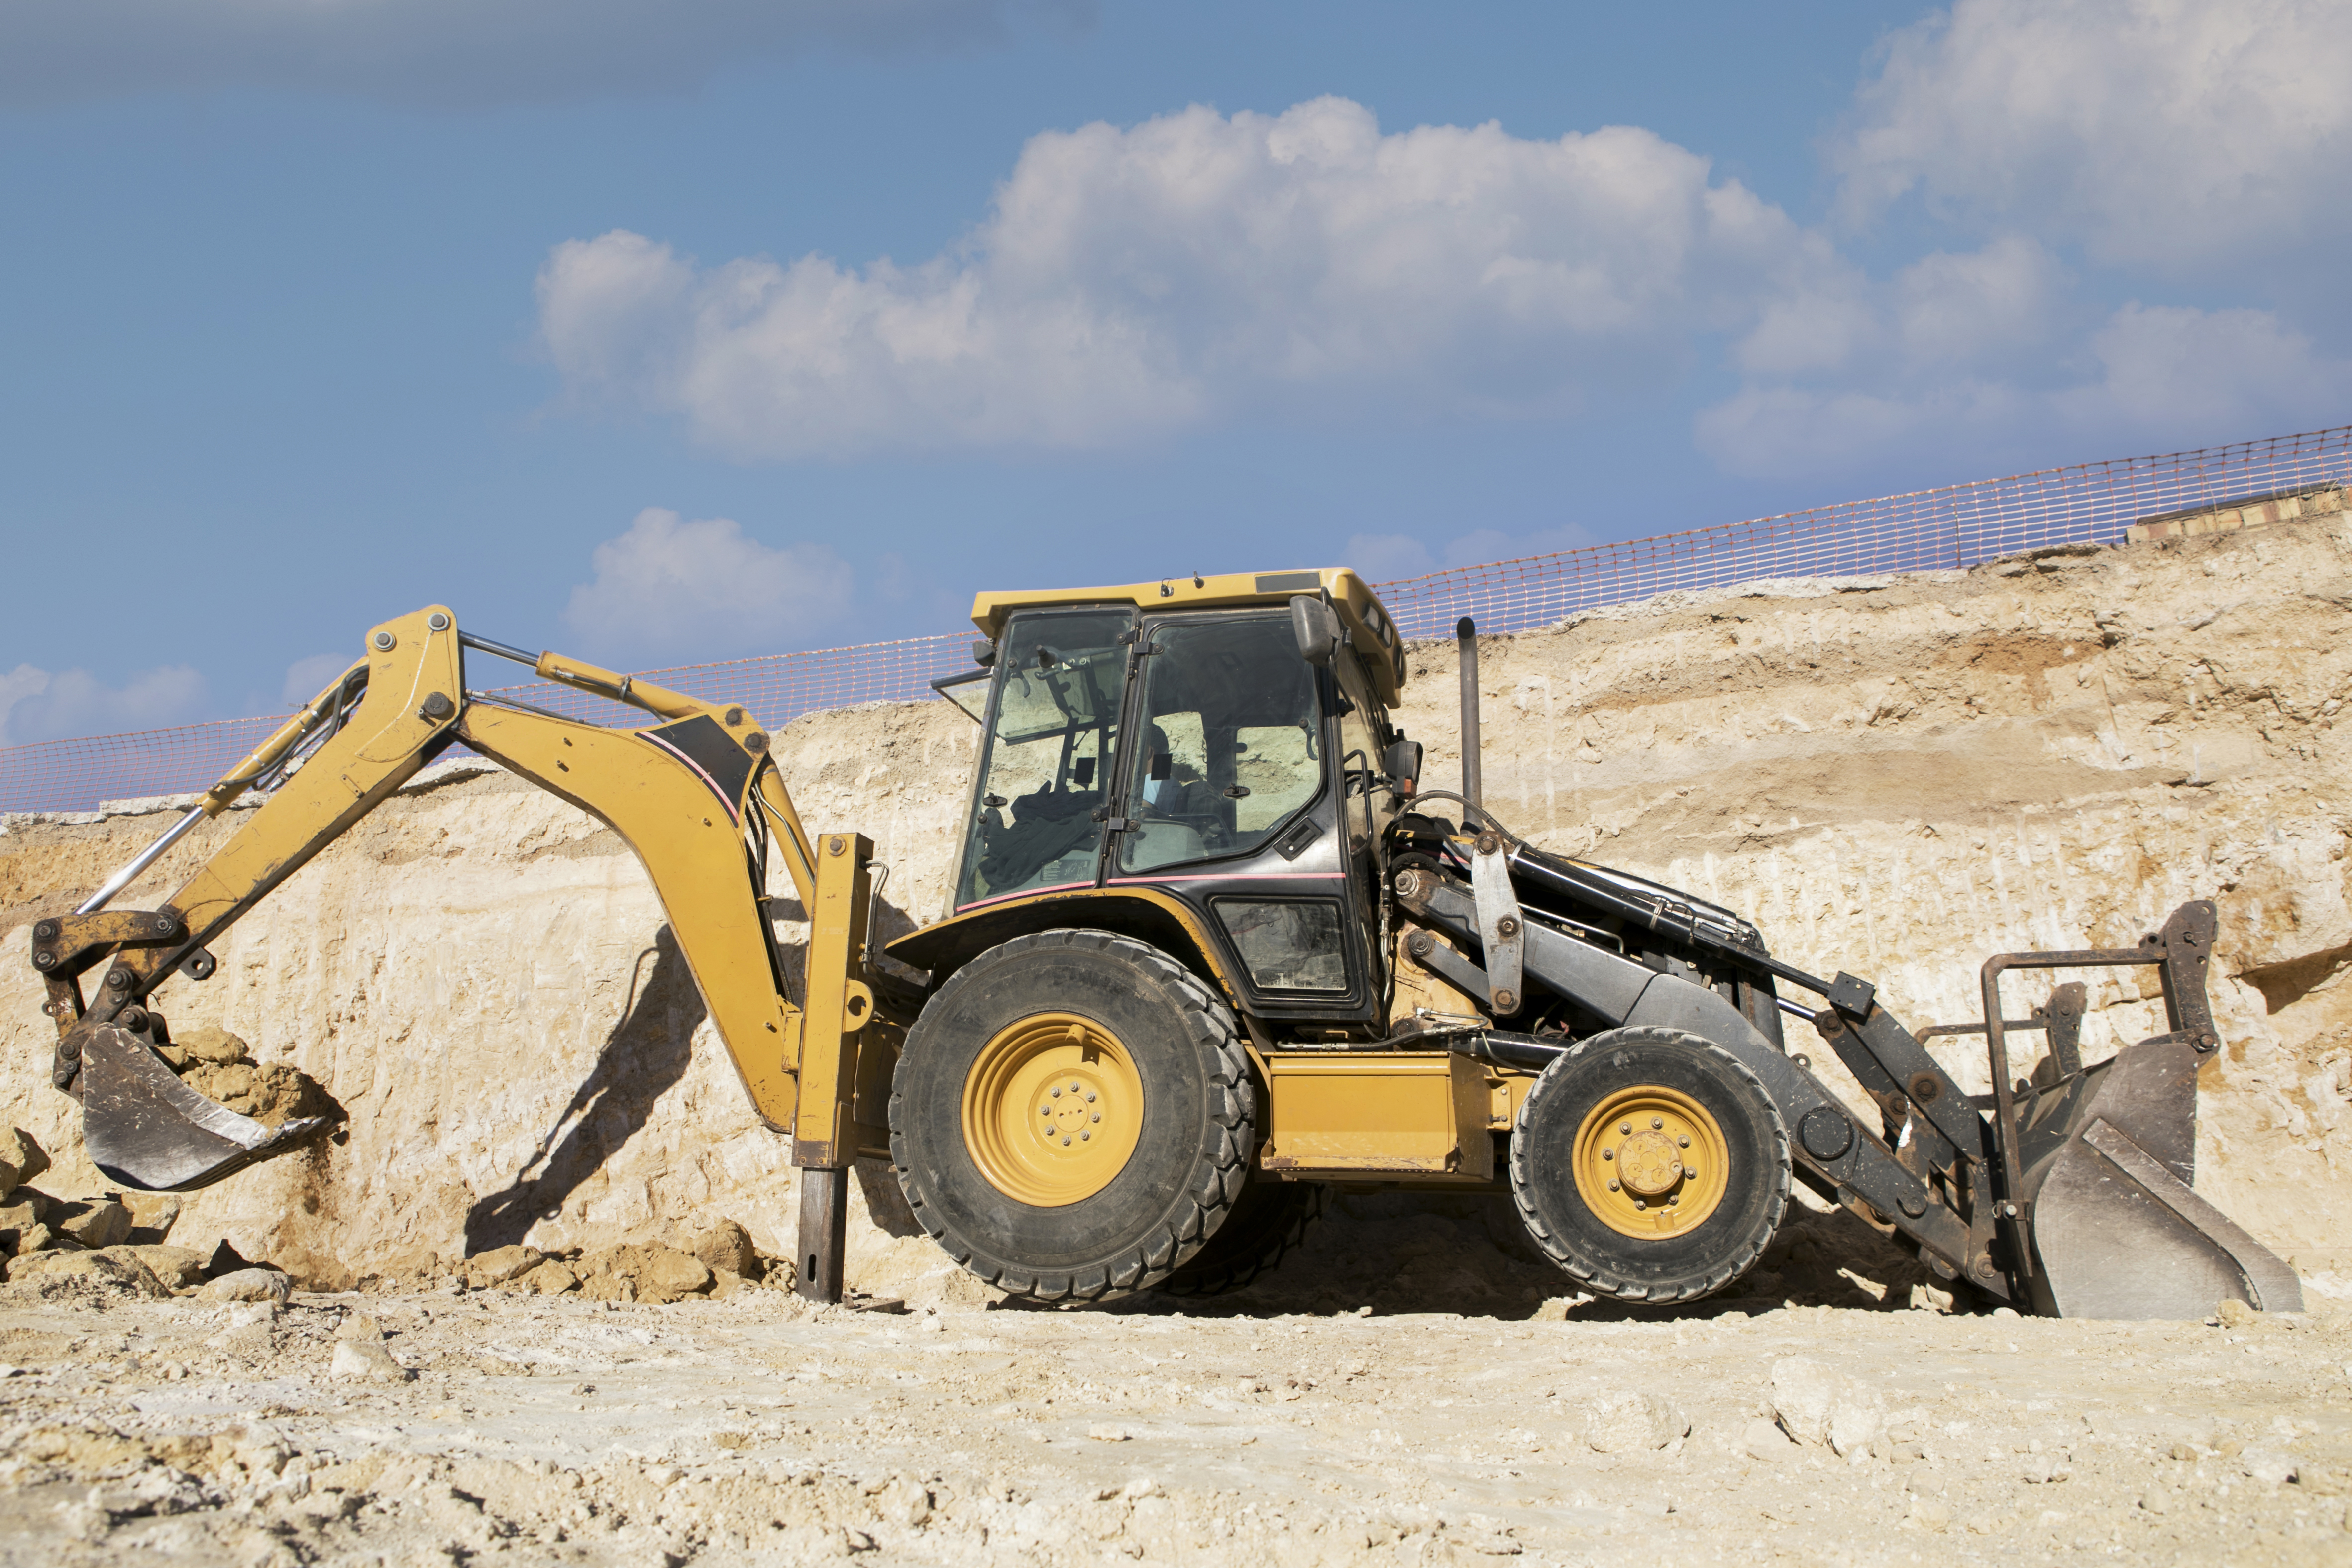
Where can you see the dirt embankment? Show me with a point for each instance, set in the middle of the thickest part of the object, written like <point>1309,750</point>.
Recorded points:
<point>1894,777</point>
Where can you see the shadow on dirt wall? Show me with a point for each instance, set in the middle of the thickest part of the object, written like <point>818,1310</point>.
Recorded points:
<point>643,1058</point>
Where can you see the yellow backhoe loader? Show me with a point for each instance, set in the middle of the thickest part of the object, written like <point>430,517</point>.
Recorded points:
<point>1212,952</point>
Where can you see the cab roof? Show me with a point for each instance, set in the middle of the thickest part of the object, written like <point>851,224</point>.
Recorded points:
<point>1370,632</point>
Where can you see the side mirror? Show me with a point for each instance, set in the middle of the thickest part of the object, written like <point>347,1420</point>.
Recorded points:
<point>984,653</point>
<point>1317,628</point>
<point>1404,765</point>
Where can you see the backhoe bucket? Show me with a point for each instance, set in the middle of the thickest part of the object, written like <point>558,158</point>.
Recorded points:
<point>146,1129</point>
<point>2117,1231</point>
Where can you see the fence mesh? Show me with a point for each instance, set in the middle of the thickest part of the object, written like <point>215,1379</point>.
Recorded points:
<point>1957,525</point>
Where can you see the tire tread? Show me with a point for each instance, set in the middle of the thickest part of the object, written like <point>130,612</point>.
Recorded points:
<point>1589,1274</point>
<point>1231,1108</point>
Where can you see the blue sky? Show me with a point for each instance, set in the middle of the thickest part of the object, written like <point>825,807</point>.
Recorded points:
<point>660,333</point>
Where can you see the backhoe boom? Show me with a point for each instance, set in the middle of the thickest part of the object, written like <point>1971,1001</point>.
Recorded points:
<point>696,796</point>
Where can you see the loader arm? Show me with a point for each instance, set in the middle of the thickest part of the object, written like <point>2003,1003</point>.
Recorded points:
<point>694,795</point>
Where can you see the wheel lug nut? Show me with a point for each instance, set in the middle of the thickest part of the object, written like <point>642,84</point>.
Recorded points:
<point>1098,1115</point>
<point>1090,1096</point>
<point>1607,1154</point>
<point>1612,1186</point>
<point>1639,1204</point>
<point>1656,1123</point>
<point>1065,1140</point>
<point>1683,1142</point>
<point>1082,1135</point>
<point>1626,1127</point>
<point>1055,1092</point>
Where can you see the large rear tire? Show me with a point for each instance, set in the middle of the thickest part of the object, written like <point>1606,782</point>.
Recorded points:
<point>1651,1165</point>
<point>1270,1219</point>
<point>1072,1117</point>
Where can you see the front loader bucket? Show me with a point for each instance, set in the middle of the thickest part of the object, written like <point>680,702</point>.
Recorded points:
<point>2117,1230</point>
<point>146,1129</point>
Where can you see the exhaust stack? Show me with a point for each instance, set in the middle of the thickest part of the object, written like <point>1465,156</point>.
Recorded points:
<point>1466,639</point>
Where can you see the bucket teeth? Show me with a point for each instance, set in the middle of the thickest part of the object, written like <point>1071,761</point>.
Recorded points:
<point>146,1129</point>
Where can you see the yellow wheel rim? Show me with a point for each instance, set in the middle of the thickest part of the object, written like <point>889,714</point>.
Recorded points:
<point>1651,1162</point>
<point>1052,1109</point>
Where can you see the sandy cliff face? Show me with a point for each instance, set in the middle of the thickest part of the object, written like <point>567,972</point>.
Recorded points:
<point>1893,776</point>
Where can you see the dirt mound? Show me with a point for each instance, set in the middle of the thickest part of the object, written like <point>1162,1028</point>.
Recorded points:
<point>220,1066</point>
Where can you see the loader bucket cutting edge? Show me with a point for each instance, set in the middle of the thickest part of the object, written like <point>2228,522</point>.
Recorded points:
<point>146,1129</point>
<point>2118,1232</point>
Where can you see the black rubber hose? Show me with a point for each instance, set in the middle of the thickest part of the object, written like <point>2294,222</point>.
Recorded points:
<point>1520,1050</point>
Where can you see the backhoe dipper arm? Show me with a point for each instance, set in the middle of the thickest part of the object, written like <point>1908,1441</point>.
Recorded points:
<point>696,796</point>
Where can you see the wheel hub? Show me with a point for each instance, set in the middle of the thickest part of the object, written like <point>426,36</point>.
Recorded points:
<point>1648,1163</point>
<point>1651,1162</point>
<point>1051,1108</point>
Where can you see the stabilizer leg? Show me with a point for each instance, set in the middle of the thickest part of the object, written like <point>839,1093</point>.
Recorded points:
<point>824,1232</point>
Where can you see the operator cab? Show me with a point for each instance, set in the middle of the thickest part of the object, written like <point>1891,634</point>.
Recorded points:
<point>1219,742</point>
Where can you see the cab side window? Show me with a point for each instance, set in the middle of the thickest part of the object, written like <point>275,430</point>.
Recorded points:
<point>1226,748</point>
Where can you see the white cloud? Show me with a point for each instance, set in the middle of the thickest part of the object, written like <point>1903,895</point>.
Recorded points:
<point>2224,374</point>
<point>306,678</point>
<point>1996,303</point>
<point>463,52</point>
<point>42,705</point>
<point>1132,282</point>
<point>2172,133</point>
<point>2151,378</point>
<point>1942,314</point>
<point>702,588</point>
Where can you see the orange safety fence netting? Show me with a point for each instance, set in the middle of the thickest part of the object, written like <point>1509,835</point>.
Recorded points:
<point>1957,525</point>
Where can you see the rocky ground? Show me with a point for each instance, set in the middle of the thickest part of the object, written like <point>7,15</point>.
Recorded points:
<point>1404,1388</point>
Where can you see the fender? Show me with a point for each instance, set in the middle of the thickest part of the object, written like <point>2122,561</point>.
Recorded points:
<point>1145,913</point>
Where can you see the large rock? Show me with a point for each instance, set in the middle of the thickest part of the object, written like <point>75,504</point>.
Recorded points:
<point>153,1214</point>
<point>180,1267</point>
<point>93,1222</point>
<point>726,1247</point>
<point>501,1264</point>
<point>250,1285</point>
<point>1633,1423</point>
<point>21,1159</point>
<point>365,1361</point>
<point>114,1269</point>
<point>1821,1408</point>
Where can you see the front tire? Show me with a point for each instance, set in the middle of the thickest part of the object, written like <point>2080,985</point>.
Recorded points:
<point>1072,1117</point>
<point>1650,1164</point>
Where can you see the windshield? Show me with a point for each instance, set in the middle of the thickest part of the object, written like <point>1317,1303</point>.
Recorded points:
<point>1055,730</point>
<point>1229,744</point>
